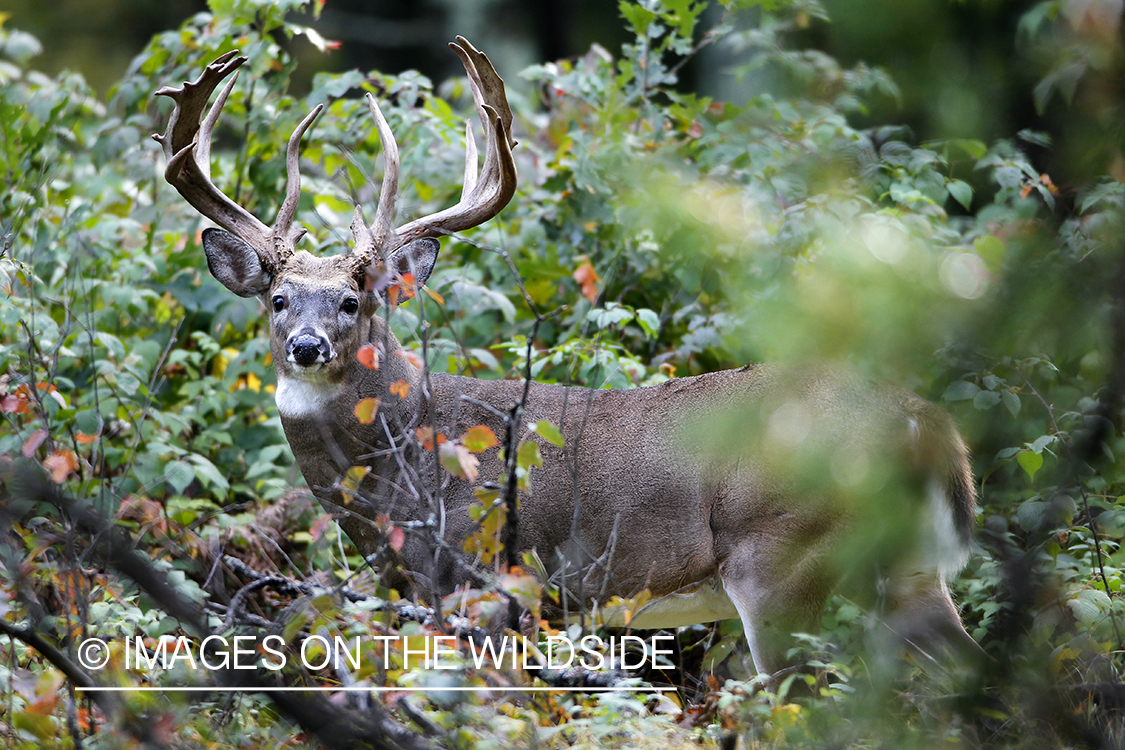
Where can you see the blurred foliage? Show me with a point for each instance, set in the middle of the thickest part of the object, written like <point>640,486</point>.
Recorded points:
<point>678,235</point>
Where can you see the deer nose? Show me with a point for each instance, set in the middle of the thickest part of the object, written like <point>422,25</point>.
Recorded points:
<point>307,348</point>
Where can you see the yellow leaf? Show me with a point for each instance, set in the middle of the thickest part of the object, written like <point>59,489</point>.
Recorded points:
<point>400,388</point>
<point>479,438</point>
<point>353,477</point>
<point>366,410</point>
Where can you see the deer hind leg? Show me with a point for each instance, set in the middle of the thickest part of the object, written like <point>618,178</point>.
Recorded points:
<point>776,596</point>
<point>920,617</point>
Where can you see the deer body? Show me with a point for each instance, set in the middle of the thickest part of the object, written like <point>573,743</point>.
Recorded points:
<point>737,493</point>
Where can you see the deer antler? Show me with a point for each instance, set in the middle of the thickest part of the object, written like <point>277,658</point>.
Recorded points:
<point>187,148</point>
<point>480,199</point>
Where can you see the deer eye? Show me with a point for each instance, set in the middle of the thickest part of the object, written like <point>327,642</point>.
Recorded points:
<point>278,303</point>
<point>350,306</point>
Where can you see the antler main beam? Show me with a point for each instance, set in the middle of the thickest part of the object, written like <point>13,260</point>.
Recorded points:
<point>481,199</point>
<point>187,148</point>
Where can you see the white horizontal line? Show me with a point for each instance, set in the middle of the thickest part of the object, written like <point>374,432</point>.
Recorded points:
<point>291,689</point>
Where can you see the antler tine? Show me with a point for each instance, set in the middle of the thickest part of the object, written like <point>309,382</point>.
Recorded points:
<point>470,181</point>
<point>487,86</point>
<point>187,147</point>
<point>382,230</point>
<point>285,235</point>
<point>370,241</point>
<point>484,198</point>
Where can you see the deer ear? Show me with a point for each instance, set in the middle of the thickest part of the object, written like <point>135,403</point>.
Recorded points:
<point>416,258</point>
<point>235,264</point>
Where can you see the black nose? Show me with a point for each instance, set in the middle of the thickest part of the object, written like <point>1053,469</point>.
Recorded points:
<point>307,349</point>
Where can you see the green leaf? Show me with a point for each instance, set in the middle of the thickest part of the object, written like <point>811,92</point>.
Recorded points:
<point>985,400</point>
<point>544,429</point>
<point>529,455</point>
<point>962,390</point>
<point>991,250</point>
<point>1011,401</point>
<point>179,475</point>
<point>961,192</point>
<point>1030,462</point>
<point>649,322</point>
<point>1089,605</point>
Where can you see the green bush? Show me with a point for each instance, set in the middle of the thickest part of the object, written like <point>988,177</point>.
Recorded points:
<point>669,235</point>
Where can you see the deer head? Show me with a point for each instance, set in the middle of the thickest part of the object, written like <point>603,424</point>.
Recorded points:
<point>322,309</point>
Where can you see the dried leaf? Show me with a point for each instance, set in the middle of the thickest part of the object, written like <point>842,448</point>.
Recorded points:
<point>368,356</point>
<point>366,410</point>
<point>60,464</point>
<point>400,388</point>
<point>587,278</point>
<point>84,439</point>
<point>458,461</point>
<point>479,438</point>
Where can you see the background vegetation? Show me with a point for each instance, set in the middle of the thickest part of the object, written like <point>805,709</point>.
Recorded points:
<point>146,481</point>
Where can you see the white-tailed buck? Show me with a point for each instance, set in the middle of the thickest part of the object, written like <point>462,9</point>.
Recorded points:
<point>751,493</point>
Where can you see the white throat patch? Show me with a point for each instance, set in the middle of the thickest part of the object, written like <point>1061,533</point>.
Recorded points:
<point>301,398</point>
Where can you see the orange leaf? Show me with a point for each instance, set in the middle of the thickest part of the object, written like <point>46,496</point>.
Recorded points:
<point>368,356</point>
<point>404,288</point>
<point>434,295</point>
<point>400,388</point>
<point>588,279</point>
<point>410,357</point>
<point>366,410</point>
<point>60,464</point>
<point>425,436</point>
<point>84,439</point>
<point>479,438</point>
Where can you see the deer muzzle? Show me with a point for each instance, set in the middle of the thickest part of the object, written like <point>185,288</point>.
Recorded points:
<point>306,348</point>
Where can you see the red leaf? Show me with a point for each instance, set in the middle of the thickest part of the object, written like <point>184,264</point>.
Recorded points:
<point>320,525</point>
<point>33,443</point>
<point>396,538</point>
